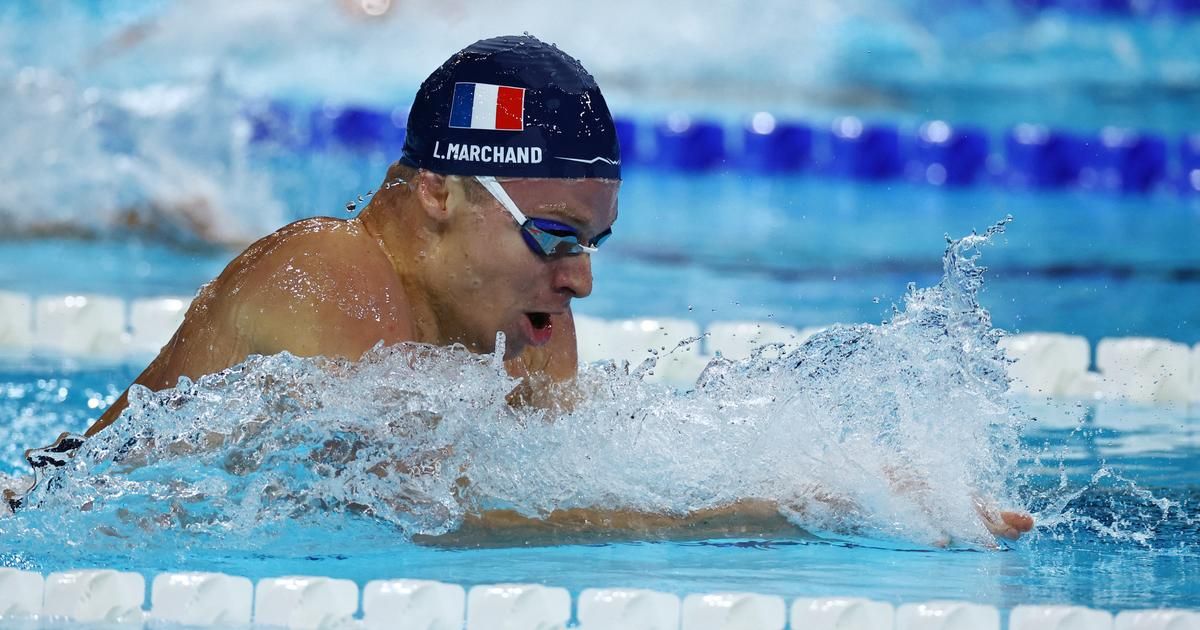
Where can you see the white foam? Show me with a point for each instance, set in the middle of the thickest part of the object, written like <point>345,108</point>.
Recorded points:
<point>681,370</point>
<point>1144,369</point>
<point>729,611</point>
<point>153,321</point>
<point>1046,364</point>
<point>304,602</point>
<point>627,609</point>
<point>1195,372</point>
<point>20,593</point>
<point>201,599</point>
<point>510,606</point>
<point>841,613</point>
<point>90,325</point>
<point>421,604</point>
<point>16,323</point>
<point>95,596</point>
<point>947,615</point>
<point>1164,619</point>
<point>1059,618</point>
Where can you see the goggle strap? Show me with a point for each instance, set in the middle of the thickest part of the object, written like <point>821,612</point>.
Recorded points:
<point>490,184</point>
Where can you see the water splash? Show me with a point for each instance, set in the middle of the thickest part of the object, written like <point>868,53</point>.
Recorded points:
<point>165,161</point>
<point>889,431</point>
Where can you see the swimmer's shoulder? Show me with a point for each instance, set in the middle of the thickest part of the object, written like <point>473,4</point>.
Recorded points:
<point>317,245</point>
<point>316,286</point>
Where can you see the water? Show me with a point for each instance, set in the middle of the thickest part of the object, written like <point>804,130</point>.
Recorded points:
<point>249,471</point>
<point>129,126</point>
<point>987,62</point>
<point>798,251</point>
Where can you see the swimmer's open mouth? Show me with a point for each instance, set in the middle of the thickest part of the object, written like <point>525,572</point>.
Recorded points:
<point>540,321</point>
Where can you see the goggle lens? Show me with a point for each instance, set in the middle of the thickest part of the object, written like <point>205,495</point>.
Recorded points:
<point>551,238</point>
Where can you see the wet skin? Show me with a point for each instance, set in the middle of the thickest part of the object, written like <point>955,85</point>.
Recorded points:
<point>431,261</point>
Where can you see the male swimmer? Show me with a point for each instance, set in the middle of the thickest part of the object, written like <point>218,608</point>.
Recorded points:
<point>507,184</point>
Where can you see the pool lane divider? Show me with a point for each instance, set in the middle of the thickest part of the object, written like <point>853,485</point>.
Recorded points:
<point>937,153</point>
<point>197,599</point>
<point>1137,369</point>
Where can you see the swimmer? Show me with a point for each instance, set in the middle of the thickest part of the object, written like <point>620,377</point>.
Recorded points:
<point>507,184</point>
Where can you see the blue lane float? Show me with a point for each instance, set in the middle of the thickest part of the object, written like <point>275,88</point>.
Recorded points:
<point>627,135</point>
<point>1175,7</point>
<point>1105,7</point>
<point>773,146</point>
<point>936,153</point>
<point>689,144</point>
<point>1189,163</point>
<point>1123,160</point>
<point>1116,8</point>
<point>358,128</point>
<point>273,123</point>
<point>864,151</point>
<point>944,155</point>
<point>1038,157</point>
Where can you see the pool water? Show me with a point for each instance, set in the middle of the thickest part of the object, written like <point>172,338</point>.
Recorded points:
<point>1113,486</point>
<point>802,251</point>
<point>1132,525</point>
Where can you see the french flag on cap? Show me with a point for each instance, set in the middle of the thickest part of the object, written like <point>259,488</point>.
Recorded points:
<point>484,106</point>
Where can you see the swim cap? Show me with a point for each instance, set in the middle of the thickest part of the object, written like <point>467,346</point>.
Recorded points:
<point>512,106</point>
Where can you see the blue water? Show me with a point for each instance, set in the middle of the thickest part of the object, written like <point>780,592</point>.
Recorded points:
<point>1114,487</point>
<point>1072,561</point>
<point>800,250</point>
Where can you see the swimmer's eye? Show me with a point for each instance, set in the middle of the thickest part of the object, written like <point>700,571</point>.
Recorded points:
<point>551,238</point>
<point>561,232</point>
<point>545,237</point>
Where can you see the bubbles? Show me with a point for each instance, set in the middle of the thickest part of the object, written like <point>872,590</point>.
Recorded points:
<point>848,433</point>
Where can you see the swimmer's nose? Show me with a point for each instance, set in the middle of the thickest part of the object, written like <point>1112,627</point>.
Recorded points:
<point>573,274</point>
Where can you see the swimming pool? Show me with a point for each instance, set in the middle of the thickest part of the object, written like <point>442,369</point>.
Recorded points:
<point>1113,484</point>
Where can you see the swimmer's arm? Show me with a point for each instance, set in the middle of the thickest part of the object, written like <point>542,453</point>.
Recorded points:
<point>748,518</point>
<point>176,358</point>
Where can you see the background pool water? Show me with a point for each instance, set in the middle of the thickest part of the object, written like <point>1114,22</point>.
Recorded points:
<point>801,251</point>
<point>143,107</point>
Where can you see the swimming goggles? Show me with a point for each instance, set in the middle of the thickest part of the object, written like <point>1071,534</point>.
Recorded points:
<point>545,237</point>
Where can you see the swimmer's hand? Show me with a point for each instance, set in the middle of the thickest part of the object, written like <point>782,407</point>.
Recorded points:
<point>1003,523</point>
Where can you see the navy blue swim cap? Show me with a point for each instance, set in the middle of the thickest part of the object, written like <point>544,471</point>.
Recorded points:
<point>512,106</point>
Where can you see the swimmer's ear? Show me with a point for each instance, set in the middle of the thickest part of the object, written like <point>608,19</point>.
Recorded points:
<point>433,194</point>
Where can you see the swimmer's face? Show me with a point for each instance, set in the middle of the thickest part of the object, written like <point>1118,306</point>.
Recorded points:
<point>496,282</point>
